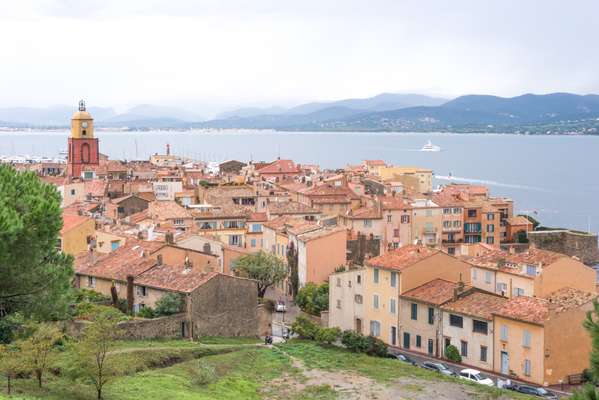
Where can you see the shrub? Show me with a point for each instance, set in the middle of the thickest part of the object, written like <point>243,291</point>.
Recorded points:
<point>313,298</point>
<point>354,341</point>
<point>327,335</point>
<point>376,347</point>
<point>146,312</point>
<point>305,328</point>
<point>90,311</point>
<point>204,374</point>
<point>87,295</point>
<point>452,354</point>
<point>169,304</point>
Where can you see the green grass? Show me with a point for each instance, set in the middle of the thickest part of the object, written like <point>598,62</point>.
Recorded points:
<point>230,370</point>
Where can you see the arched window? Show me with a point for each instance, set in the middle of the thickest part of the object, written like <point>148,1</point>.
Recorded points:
<point>85,153</point>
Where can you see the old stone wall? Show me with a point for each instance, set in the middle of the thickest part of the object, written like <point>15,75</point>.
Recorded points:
<point>264,320</point>
<point>225,306</point>
<point>169,327</point>
<point>372,248</point>
<point>581,245</point>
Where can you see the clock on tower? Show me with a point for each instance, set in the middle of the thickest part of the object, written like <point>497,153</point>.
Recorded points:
<point>83,147</point>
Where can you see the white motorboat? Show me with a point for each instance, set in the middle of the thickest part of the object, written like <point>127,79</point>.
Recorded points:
<point>430,147</point>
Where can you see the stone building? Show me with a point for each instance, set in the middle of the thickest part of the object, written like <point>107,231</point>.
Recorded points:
<point>573,243</point>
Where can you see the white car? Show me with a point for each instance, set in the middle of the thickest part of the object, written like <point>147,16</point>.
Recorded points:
<point>476,377</point>
<point>280,306</point>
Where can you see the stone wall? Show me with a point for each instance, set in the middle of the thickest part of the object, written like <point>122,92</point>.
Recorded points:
<point>372,248</point>
<point>581,245</point>
<point>264,320</point>
<point>225,306</point>
<point>169,327</point>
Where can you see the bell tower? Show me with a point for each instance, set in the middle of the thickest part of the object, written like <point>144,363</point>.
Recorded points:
<point>83,147</point>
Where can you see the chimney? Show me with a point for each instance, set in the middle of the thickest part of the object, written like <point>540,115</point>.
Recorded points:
<point>168,149</point>
<point>130,294</point>
<point>169,238</point>
<point>159,259</point>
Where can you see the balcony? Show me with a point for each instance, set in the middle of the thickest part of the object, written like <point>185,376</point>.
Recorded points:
<point>429,230</point>
<point>452,241</point>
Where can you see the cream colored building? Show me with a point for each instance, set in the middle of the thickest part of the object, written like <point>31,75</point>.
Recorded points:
<point>346,299</point>
<point>427,222</point>
<point>422,177</point>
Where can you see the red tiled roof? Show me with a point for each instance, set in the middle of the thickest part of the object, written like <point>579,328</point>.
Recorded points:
<point>167,209</point>
<point>257,217</point>
<point>279,167</point>
<point>175,278</point>
<point>70,221</point>
<point>477,304</point>
<point>437,292</point>
<point>532,256</point>
<point>290,207</point>
<point>519,220</point>
<point>403,257</point>
<point>96,188</point>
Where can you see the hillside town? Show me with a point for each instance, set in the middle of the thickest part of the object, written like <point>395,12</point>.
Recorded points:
<point>420,267</point>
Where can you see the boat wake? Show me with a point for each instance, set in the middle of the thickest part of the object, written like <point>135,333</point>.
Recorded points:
<point>488,182</point>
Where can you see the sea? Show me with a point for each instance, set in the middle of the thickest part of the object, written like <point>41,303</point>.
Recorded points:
<point>555,179</point>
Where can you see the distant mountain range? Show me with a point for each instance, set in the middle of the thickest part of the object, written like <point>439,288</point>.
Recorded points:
<point>550,113</point>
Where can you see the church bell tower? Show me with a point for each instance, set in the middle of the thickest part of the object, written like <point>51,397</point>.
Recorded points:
<point>83,147</point>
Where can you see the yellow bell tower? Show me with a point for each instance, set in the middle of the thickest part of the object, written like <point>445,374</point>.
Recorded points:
<point>82,123</point>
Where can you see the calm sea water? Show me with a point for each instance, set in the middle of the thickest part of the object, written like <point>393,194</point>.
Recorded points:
<point>554,177</point>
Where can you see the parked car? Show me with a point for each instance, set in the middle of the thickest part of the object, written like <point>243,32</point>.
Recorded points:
<point>280,306</point>
<point>533,391</point>
<point>475,376</point>
<point>438,367</point>
<point>402,357</point>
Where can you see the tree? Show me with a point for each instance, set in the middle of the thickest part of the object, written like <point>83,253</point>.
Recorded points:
<point>170,303</point>
<point>452,354</point>
<point>305,327</point>
<point>327,335</point>
<point>10,364</point>
<point>95,360</point>
<point>35,275</point>
<point>591,324</point>
<point>313,298</point>
<point>37,349</point>
<point>267,269</point>
<point>292,263</point>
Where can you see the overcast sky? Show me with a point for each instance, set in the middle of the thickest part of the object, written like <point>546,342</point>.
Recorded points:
<point>213,54</point>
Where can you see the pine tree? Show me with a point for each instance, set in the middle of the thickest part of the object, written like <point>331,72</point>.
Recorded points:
<point>34,274</point>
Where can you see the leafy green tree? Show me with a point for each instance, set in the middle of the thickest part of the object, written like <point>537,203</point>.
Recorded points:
<point>267,269</point>
<point>591,324</point>
<point>313,298</point>
<point>10,364</point>
<point>95,360</point>
<point>34,275</point>
<point>452,354</point>
<point>588,392</point>
<point>37,349</point>
<point>169,304</point>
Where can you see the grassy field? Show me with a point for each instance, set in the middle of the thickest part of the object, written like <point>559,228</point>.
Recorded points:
<point>237,369</point>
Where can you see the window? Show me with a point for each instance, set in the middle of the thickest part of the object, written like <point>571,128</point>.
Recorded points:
<point>431,315</point>
<point>375,301</point>
<point>367,223</point>
<point>253,242</point>
<point>256,228</point>
<point>531,270</point>
<point>490,228</point>
<point>490,240</point>
<point>457,224</point>
<point>392,306</point>
<point>358,298</point>
<point>526,338</point>
<point>480,326</point>
<point>446,224</point>
<point>114,245</point>
<point>474,274</point>
<point>393,279</point>
<point>72,192</point>
<point>456,320</point>
<point>414,311</point>
<point>463,348</point>
<point>502,288</point>
<point>527,367</point>
<point>207,225</point>
<point>178,221</point>
<point>375,276</point>
<point>451,251</point>
<point>518,292</point>
<point>405,219</point>
<point>474,227</point>
<point>471,213</point>
<point>488,276</point>
<point>142,291</point>
<point>359,279</point>
<point>235,240</point>
<point>396,233</point>
<point>418,341</point>
<point>91,281</point>
<point>446,210</point>
<point>429,212</point>
<point>457,210</point>
<point>503,333</point>
<point>375,328</point>
<point>483,353</point>
<point>338,303</point>
<point>389,218</point>
<point>338,282</point>
<point>490,216</point>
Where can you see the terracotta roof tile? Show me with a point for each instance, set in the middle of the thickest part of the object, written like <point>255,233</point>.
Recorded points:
<point>437,292</point>
<point>167,210</point>
<point>403,257</point>
<point>280,167</point>
<point>175,278</point>
<point>70,221</point>
<point>290,207</point>
<point>477,304</point>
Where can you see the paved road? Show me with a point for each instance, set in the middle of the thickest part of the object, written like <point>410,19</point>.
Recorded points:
<point>419,358</point>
